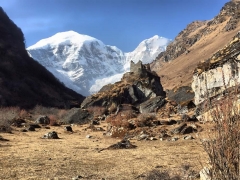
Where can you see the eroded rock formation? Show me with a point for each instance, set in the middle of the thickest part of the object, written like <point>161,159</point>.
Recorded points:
<point>135,87</point>
<point>218,73</point>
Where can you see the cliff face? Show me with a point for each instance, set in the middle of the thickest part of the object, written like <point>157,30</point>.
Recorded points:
<point>198,41</point>
<point>135,87</point>
<point>218,73</point>
<point>23,81</point>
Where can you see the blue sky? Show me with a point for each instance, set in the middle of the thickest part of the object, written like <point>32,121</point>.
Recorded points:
<point>123,23</point>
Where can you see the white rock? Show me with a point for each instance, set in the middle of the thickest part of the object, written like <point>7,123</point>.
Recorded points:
<point>205,174</point>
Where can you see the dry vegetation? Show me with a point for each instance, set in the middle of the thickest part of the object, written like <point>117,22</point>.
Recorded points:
<point>27,156</point>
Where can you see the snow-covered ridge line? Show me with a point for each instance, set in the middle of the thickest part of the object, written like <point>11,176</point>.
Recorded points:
<point>85,64</point>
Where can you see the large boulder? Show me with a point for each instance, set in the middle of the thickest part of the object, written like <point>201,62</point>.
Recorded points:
<point>182,95</point>
<point>43,120</point>
<point>77,116</point>
<point>51,135</point>
<point>152,105</point>
<point>135,87</point>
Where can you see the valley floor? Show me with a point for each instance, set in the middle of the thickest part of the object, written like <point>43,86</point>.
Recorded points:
<point>27,156</point>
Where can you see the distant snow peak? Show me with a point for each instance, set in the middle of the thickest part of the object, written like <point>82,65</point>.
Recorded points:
<point>148,49</point>
<point>85,64</point>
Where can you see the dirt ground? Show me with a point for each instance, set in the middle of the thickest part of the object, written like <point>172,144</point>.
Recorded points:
<point>27,156</point>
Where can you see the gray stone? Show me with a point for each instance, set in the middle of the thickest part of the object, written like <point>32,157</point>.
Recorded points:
<point>152,105</point>
<point>153,138</point>
<point>51,135</point>
<point>77,177</point>
<point>88,136</point>
<point>174,139</point>
<point>31,128</point>
<point>179,129</point>
<point>205,174</point>
<point>189,137</point>
<point>188,130</point>
<point>77,116</point>
<point>43,120</point>
<point>143,136</point>
<point>68,128</point>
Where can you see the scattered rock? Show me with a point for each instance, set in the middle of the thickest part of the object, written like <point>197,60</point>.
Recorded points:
<point>31,128</point>
<point>68,128</point>
<point>188,130</point>
<point>51,135</point>
<point>123,144</point>
<point>95,122</point>
<point>205,174</point>
<point>77,177</point>
<point>77,116</point>
<point>152,105</point>
<point>179,129</point>
<point>185,117</point>
<point>174,139</point>
<point>3,139</point>
<point>182,95</point>
<point>153,138</point>
<point>189,137</point>
<point>18,122</point>
<point>164,122</point>
<point>172,122</point>
<point>35,125</point>
<point>88,136</point>
<point>43,120</point>
<point>143,136</point>
<point>3,128</point>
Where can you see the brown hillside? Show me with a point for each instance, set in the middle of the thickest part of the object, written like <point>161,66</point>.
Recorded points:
<point>198,42</point>
<point>23,81</point>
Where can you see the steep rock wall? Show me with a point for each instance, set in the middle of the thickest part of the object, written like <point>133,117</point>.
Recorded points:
<point>218,73</point>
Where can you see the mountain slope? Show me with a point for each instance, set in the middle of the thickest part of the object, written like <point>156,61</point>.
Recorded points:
<point>85,64</point>
<point>23,81</point>
<point>198,42</point>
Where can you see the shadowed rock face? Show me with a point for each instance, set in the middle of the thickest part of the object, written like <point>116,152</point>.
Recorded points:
<point>219,72</point>
<point>23,81</point>
<point>135,87</point>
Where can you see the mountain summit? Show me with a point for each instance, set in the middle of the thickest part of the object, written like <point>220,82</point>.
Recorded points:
<point>85,64</point>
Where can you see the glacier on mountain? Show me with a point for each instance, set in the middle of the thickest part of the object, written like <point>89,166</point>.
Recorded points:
<point>85,64</point>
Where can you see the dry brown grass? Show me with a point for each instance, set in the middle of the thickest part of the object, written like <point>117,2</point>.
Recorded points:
<point>27,156</point>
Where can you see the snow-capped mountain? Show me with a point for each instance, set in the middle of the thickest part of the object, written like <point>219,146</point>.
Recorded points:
<point>85,64</point>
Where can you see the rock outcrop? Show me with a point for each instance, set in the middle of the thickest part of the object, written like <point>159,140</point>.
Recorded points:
<point>218,73</point>
<point>135,87</point>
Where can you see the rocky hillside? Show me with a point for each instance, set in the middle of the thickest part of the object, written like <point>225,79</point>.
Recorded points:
<point>135,87</point>
<point>198,41</point>
<point>23,81</point>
